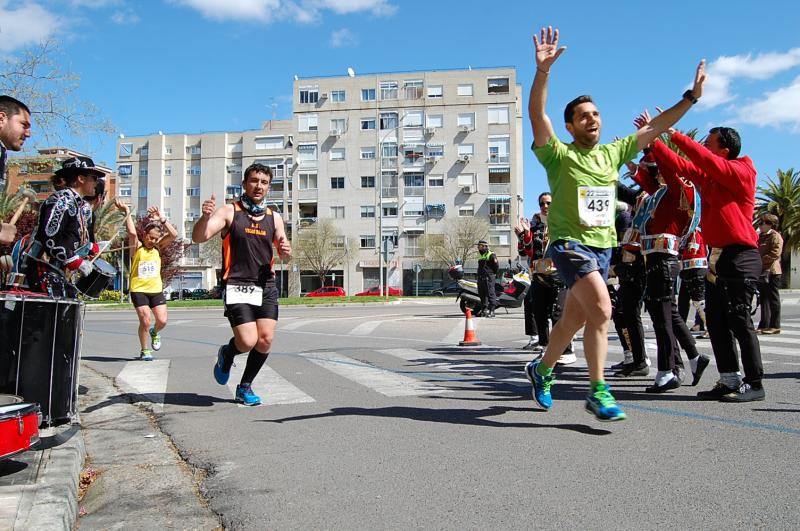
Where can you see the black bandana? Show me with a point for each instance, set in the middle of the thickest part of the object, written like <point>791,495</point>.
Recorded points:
<point>252,208</point>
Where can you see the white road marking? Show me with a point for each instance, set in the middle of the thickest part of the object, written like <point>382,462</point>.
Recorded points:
<point>442,362</point>
<point>146,378</point>
<point>365,329</point>
<point>273,388</point>
<point>383,381</point>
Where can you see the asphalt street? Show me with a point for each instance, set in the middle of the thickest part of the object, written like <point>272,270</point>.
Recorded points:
<point>374,418</point>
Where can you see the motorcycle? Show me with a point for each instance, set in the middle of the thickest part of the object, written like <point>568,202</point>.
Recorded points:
<point>510,290</point>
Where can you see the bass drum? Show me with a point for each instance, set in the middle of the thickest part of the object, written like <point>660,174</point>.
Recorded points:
<point>40,352</point>
<point>19,425</point>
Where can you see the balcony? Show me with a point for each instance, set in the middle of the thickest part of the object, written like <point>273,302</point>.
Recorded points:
<point>389,191</point>
<point>389,162</point>
<point>310,194</point>
<point>500,189</point>
<point>414,191</point>
<point>498,159</point>
<point>303,223</point>
<point>192,261</point>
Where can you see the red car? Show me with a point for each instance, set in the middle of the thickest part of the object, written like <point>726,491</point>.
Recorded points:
<point>327,291</point>
<point>375,291</point>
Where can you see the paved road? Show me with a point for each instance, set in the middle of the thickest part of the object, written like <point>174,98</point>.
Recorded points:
<point>375,419</point>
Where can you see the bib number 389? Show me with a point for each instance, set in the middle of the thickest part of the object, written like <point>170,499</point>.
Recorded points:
<point>244,295</point>
<point>596,205</point>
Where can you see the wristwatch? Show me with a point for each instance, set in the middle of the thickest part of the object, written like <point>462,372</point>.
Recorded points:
<point>689,95</point>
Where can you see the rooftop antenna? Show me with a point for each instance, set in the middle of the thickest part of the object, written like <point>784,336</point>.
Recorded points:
<point>351,72</point>
<point>296,78</point>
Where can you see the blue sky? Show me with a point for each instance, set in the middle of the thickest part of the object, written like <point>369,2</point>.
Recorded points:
<point>215,65</point>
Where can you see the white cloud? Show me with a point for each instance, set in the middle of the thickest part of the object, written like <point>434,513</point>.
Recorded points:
<point>302,11</point>
<point>343,37</point>
<point>26,25</point>
<point>125,17</point>
<point>779,107</point>
<point>724,70</point>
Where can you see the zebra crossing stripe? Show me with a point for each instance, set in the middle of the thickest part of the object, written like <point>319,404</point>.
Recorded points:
<point>365,329</point>
<point>440,361</point>
<point>383,381</point>
<point>147,380</point>
<point>273,388</point>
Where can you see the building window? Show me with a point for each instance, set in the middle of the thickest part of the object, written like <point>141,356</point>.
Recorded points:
<point>307,123</point>
<point>309,95</point>
<point>278,167</point>
<point>466,120</point>
<point>466,179</point>
<point>412,119</point>
<point>168,149</point>
<point>167,191</point>
<point>413,89</point>
<point>368,181</point>
<point>338,96</point>
<point>499,239</point>
<point>368,211</point>
<point>367,124</point>
<point>413,179</point>
<point>388,120</point>
<point>464,90</point>
<point>337,183</point>
<point>233,191</point>
<point>144,151</point>
<point>167,171</point>
<point>193,170</point>
<point>125,170</point>
<point>269,142</point>
<point>435,91</point>
<point>389,238</point>
<point>193,150</point>
<point>435,181</point>
<point>124,191</point>
<point>435,120</point>
<point>413,245</point>
<point>413,153</point>
<point>143,191</point>
<point>142,172</point>
<point>367,241</point>
<point>388,183</point>
<point>193,192</point>
<point>498,85</point>
<point>466,211</point>
<point>434,151</point>
<point>389,211</point>
<point>125,150</point>
<point>307,181</point>
<point>498,115</point>
<point>368,94</point>
<point>414,209</point>
<point>306,154</point>
<point>237,147</point>
<point>338,126</point>
<point>337,154</point>
<point>466,149</point>
<point>388,90</point>
<point>367,153</point>
<point>499,210</point>
<point>337,212</point>
<point>498,150</point>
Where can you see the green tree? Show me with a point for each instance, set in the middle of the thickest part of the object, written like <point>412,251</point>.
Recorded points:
<point>321,247</point>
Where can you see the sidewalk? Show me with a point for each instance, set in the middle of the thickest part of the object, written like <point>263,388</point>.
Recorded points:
<point>141,481</point>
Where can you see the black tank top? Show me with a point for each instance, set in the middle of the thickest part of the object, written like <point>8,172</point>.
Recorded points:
<point>247,254</point>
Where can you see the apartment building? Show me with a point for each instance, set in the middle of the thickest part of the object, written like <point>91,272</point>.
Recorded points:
<point>388,157</point>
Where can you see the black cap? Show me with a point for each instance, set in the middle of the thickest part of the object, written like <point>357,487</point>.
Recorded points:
<point>79,166</point>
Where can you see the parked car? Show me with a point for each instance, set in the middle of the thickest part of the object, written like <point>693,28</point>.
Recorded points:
<point>200,294</point>
<point>327,291</point>
<point>451,288</point>
<point>375,291</point>
<point>176,295</point>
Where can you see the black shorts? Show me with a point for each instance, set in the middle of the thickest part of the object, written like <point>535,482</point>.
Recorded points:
<point>239,314</point>
<point>152,300</point>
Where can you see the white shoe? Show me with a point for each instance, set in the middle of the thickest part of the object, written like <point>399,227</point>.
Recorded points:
<point>567,359</point>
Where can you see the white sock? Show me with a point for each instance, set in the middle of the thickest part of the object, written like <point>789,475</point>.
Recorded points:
<point>534,339</point>
<point>628,357</point>
<point>731,379</point>
<point>663,377</point>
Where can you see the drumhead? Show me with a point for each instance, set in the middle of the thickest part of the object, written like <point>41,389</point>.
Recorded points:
<point>15,410</point>
<point>105,267</point>
<point>6,400</point>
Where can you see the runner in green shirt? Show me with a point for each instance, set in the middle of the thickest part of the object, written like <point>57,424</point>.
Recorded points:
<point>582,177</point>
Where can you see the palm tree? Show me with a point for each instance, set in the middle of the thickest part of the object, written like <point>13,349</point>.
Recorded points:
<point>8,203</point>
<point>781,196</point>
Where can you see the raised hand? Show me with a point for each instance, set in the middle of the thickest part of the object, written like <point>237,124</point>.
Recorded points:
<point>547,51</point>
<point>525,224</point>
<point>122,207</point>
<point>209,206</point>
<point>699,79</point>
<point>154,213</point>
<point>642,120</point>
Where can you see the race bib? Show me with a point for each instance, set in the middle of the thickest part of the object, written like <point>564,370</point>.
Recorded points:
<point>596,205</point>
<point>252,295</point>
<point>147,270</point>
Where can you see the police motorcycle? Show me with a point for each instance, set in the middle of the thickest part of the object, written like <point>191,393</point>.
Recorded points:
<point>510,289</point>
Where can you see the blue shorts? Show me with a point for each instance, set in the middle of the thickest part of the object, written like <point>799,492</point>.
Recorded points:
<point>573,260</point>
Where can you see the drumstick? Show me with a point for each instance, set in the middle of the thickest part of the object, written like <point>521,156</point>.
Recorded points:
<point>27,195</point>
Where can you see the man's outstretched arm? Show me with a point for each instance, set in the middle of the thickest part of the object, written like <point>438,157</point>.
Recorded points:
<point>547,51</point>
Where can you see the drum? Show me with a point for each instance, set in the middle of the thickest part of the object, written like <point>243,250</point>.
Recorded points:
<point>19,425</point>
<point>101,277</point>
<point>40,352</point>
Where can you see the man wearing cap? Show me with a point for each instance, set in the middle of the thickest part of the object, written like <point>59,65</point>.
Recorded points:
<point>15,128</point>
<point>487,269</point>
<point>63,231</point>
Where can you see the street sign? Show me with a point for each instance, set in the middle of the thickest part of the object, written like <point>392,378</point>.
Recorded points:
<point>417,268</point>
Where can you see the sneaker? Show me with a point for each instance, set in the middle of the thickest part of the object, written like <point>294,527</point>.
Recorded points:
<point>533,343</point>
<point>538,349</point>
<point>705,335</point>
<point>567,359</point>
<point>745,393</point>
<point>628,359</point>
<point>246,396</point>
<point>155,339</point>
<point>632,369</point>
<point>702,363</point>
<point>716,393</point>
<point>221,375</point>
<point>146,355</point>
<point>602,404</point>
<point>673,383</point>
<point>541,385</point>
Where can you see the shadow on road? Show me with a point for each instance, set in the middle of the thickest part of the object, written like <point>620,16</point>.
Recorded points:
<point>174,399</point>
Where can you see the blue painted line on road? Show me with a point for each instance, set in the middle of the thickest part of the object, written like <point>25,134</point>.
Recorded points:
<point>723,420</point>
<point>162,336</point>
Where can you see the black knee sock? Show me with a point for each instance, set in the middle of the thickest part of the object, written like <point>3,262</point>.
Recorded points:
<point>255,360</point>
<point>229,352</point>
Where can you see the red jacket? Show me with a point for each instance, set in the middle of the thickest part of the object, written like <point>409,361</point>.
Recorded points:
<point>727,190</point>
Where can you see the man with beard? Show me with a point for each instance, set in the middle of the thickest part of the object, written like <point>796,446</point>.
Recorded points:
<point>15,128</point>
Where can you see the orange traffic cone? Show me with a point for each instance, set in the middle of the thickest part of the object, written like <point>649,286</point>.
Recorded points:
<point>470,339</point>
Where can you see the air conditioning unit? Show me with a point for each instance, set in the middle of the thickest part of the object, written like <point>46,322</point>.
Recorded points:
<point>431,159</point>
<point>468,189</point>
<point>336,133</point>
<point>464,158</point>
<point>323,96</point>
<point>429,130</point>
<point>465,128</point>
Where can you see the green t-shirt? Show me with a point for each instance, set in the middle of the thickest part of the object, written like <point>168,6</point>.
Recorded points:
<point>583,184</point>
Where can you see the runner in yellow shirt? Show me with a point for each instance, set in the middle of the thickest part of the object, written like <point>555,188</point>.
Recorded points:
<point>146,287</point>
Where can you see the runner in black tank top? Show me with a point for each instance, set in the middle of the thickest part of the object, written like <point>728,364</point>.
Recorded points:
<point>251,235</point>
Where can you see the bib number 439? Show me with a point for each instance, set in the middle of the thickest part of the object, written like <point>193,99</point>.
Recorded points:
<point>596,205</point>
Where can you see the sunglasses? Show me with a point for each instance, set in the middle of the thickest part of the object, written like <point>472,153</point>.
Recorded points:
<point>543,203</point>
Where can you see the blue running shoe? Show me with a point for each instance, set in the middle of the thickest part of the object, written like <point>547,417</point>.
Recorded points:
<point>602,404</point>
<point>541,384</point>
<point>220,374</point>
<point>146,355</point>
<point>246,396</point>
